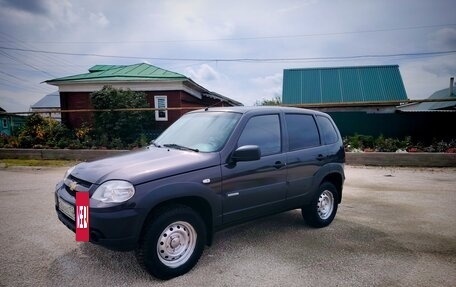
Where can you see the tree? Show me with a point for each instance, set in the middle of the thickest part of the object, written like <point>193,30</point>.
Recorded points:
<point>276,101</point>
<point>121,127</point>
<point>41,132</point>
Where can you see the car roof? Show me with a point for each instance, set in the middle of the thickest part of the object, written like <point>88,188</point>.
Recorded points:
<point>260,109</point>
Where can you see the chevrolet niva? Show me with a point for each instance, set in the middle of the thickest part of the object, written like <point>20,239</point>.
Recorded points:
<point>211,169</point>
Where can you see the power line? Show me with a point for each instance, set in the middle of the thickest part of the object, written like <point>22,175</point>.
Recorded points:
<point>242,38</point>
<point>40,59</point>
<point>18,81</point>
<point>250,60</point>
<point>24,63</point>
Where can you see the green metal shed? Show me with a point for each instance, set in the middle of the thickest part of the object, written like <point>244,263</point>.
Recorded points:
<point>360,84</point>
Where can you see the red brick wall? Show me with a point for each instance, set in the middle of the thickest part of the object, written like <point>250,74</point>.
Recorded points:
<point>76,101</point>
<point>176,99</point>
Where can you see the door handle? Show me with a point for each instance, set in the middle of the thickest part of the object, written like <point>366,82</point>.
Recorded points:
<point>320,157</point>
<point>278,164</point>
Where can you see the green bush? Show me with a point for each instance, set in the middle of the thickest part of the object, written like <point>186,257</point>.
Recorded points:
<point>117,130</point>
<point>359,142</point>
<point>121,129</point>
<point>380,144</point>
<point>41,132</point>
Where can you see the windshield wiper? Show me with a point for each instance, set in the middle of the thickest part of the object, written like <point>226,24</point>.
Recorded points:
<point>176,146</point>
<point>155,144</point>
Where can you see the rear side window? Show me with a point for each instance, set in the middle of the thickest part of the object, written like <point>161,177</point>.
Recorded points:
<point>302,131</point>
<point>263,131</point>
<point>327,130</point>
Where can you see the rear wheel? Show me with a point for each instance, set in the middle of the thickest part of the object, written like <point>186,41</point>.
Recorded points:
<point>323,208</point>
<point>172,243</point>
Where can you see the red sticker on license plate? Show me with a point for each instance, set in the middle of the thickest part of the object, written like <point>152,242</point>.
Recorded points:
<point>82,216</point>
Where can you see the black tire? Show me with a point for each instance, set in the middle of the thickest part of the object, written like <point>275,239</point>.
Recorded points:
<point>323,208</point>
<point>176,225</point>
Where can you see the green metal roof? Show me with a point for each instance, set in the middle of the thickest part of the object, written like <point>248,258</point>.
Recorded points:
<point>98,68</point>
<point>343,85</point>
<point>121,73</point>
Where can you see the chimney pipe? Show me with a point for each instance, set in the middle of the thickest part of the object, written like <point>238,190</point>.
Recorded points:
<point>451,85</point>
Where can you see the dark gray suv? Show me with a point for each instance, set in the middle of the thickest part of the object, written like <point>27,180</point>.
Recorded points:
<point>211,169</point>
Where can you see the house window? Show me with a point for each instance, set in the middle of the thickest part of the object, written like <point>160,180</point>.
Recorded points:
<point>5,123</point>
<point>161,102</point>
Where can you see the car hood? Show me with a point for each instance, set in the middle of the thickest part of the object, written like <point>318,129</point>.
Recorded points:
<point>145,165</point>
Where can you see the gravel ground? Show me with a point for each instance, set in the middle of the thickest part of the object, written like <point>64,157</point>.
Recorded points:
<point>396,227</point>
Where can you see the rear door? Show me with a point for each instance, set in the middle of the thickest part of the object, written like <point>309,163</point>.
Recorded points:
<point>305,155</point>
<point>255,188</point>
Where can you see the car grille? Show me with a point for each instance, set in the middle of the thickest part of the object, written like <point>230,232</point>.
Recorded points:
<point>74,184</point>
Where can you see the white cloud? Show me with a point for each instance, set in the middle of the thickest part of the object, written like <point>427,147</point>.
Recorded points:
<point>444,38</point>
<point>297,6</point>
<point>423,78</point>
<point>203,73</point>
<point>142,28</point>
<point>99,19</point>
<point>269,87</point>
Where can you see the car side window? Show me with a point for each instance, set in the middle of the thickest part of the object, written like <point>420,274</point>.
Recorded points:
<point>327,130</point>
<point>302,131</point>
<point>263,131</point>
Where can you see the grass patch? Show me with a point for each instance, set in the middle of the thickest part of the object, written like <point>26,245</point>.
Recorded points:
<point>36,162</point>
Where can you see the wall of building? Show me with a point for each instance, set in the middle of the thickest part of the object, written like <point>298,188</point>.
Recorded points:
<point>5,127</point>
<point>419,125</point>
<point>10,123</point>
<point>175,99</point>
<point>76,101</point>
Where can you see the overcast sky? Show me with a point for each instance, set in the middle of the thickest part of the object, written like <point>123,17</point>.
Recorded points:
<point>214,31</point>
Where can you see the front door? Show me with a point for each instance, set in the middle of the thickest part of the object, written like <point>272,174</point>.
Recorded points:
<point>256,188</point>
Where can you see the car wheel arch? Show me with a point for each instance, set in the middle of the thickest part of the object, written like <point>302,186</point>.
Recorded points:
<point>337,180</point>
<point>196,203</point>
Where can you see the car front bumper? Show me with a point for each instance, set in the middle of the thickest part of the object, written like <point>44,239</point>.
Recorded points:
<point>115,229</point>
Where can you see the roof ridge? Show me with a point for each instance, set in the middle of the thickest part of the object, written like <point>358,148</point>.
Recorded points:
<point>125,71</point>
<point>343,67</point>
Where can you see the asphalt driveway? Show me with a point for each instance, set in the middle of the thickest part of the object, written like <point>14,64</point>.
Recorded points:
<point>396,227</point>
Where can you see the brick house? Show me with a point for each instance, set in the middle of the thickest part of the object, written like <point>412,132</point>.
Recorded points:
<point>164,89</point>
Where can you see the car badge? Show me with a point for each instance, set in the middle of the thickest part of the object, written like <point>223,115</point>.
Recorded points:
<point>72,185</point>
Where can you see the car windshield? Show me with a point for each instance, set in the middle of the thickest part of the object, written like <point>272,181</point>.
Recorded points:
<point>203,131</point>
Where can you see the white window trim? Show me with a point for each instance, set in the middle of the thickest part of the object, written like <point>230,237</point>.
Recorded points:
<point>4,123</point>
<point>157,112</point>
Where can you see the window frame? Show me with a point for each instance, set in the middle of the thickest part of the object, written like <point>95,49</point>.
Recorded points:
<point>281,142</point>
<point>320,142</point>
<point>322,138</point>
<point>4,123</point>
<point>158,110</point>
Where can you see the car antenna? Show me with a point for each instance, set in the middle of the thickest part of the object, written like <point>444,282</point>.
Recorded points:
<point>207,108</point>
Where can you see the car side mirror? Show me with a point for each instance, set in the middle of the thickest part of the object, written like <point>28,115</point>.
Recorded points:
<point>246,153</point>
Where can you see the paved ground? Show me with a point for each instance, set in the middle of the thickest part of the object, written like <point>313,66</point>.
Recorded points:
<point>396,227</point>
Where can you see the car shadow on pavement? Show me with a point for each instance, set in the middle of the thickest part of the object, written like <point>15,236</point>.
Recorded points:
<point>95,264</point>
<point>266,248</point>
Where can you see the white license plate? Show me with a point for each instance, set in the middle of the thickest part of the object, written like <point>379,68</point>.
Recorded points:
<point>66,208</point>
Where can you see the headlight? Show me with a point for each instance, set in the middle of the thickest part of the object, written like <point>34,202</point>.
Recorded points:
<point>114,191</point>
<point>68,172</point>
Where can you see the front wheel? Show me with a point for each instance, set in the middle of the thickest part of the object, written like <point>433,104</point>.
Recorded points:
<point>172,243</point>
<point>323,208</point>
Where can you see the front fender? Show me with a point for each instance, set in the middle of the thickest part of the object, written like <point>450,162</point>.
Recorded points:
<point>151,194</point>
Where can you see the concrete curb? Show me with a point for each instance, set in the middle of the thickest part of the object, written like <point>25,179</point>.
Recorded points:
<point>62,154</point>
<point>368,158</point>
<point>402,159</point>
